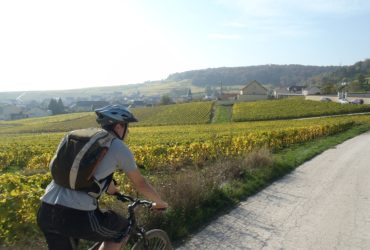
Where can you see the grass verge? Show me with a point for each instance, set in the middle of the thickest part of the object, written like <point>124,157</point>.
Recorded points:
<point>222,113</point>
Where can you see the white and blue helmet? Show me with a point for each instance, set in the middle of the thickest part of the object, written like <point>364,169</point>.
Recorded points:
<point>113,114</point>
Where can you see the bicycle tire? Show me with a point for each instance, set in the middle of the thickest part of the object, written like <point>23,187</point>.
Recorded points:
<point>157,240</point>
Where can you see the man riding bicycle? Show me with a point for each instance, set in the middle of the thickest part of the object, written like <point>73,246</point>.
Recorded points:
<point>66,213</point>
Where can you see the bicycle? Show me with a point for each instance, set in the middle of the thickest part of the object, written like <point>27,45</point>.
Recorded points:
<point>155,239</point>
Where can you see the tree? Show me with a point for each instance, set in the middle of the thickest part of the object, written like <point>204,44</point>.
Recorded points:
<point>53,106</point>
<point>61,107</point>
<point>56,107</point>
<point>355,86</point>
<point>165,100</point>
<point>328,88</point>
<point>361,78</point>
<point>189,95</point>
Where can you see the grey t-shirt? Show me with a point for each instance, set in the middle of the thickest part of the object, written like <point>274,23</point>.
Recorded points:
<point>118,157</point>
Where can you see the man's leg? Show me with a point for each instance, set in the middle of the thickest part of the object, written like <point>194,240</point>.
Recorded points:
<point>58,242</point>
<point>110,245</point>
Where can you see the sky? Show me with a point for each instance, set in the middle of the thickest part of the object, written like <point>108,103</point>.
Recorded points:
<point>69,44</point>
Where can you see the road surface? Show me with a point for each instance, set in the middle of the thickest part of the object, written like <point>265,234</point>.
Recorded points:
<point>323,204</point>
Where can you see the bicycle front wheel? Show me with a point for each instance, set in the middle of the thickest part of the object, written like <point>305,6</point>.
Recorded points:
<point>155,239</point>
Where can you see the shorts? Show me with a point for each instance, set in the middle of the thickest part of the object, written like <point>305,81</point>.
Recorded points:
<point>61,224</point>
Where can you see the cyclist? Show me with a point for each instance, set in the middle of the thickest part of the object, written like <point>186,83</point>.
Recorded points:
<point>65,213</point>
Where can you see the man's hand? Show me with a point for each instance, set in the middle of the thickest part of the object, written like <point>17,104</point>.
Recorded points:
<point>112,189</point>
<point>160,206</point>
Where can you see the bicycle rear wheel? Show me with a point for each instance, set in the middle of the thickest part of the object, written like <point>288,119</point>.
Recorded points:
<point>156,239</point>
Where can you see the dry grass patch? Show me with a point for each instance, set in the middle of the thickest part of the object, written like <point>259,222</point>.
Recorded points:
<point>187,188</point>
<point>257,159</point>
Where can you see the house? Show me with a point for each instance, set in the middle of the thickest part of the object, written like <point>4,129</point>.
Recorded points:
<point>9,112</point>
<point>185,98</point>
<point>253,91</point>
<point>137,104</point>
<point>37,112</point>
<point>281,92</point>
<point>228,96</point>
<point>96,98</point>
<point>311,91</point>
<point>86,106</point>
<point>16,116</point>
<point>212,95</point>
<point>295,89</point>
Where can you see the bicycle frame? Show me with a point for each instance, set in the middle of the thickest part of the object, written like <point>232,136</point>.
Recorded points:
<point>134,229</point>
<point>133,232</point>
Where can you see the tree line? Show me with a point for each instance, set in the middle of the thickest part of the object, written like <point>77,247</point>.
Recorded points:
<point>328,78</point>
<point>355,78</point>
<point>276,75</point>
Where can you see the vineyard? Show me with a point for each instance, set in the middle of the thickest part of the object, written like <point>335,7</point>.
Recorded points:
<point>187,113</point>
<point>291,108</point>
<point>26,148</point>
<point>170,146</point>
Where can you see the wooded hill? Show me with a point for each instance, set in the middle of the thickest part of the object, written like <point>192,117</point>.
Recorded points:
<point>276,75</point>
<point>358,71</point>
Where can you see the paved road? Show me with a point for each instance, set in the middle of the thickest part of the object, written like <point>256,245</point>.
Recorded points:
<point>323,204</point>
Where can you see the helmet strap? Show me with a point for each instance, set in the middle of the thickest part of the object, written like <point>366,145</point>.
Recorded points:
<point>121,138</point>
<point>124,132</point>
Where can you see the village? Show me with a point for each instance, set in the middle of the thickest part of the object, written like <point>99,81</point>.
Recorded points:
<point>18,108</point>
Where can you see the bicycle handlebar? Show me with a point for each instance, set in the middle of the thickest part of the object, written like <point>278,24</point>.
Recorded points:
<point>136,202</point>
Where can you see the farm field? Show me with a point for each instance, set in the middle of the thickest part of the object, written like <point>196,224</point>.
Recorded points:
<point>187,113</point>
<point>173,145</point>
<point>291,108</point>
<point>26,147</point>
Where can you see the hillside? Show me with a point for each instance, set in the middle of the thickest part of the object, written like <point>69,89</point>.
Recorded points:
<point>176,114</point>
<point>152,88</point>
<point>352,72</point>
<point>276,75</point>
<point>233,78</point>
<point>189,113</point>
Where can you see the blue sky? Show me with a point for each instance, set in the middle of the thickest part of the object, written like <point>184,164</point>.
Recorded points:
<point>67,44</point>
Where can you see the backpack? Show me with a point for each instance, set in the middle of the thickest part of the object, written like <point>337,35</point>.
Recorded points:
<point>77,157</point>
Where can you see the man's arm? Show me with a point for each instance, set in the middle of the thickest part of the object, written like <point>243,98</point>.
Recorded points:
<point>143,187</point>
